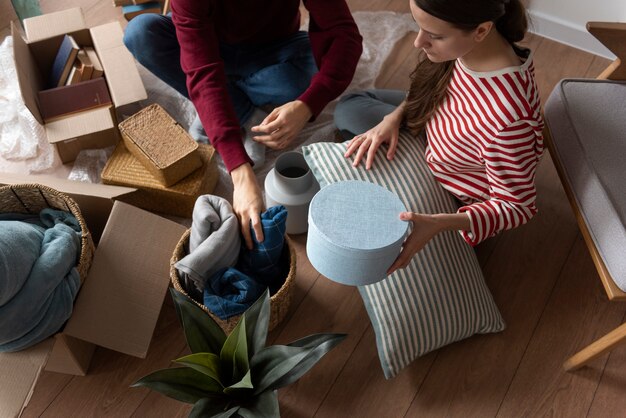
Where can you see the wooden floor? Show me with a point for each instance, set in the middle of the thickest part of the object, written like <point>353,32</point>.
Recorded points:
<point>541,276</point>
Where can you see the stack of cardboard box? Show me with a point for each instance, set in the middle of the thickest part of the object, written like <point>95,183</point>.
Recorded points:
<point>34,54</point>
<point>119,303</point>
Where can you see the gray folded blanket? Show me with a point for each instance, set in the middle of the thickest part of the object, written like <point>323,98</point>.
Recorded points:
<point>38,275</point>
<point>213,244</point>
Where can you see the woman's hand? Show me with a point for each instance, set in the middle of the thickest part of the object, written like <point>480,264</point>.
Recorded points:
<point>247,203</point>
<point>283,125</point>
<point>386,131</point>
<point>425,227</point>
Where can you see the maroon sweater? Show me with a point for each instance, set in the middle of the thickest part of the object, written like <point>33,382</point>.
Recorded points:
<point>202,24</point>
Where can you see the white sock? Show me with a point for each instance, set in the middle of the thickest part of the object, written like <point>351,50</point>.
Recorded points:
<point>196,130</point>
<point>255,150</point>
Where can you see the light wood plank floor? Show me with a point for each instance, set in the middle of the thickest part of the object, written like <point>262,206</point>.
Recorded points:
<point>541,276</point>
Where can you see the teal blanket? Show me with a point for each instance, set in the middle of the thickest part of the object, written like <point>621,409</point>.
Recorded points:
<point>38,275</point>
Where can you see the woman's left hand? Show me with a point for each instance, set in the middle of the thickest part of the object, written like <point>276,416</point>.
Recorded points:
<point>282,126</point>
<point>424,229</point>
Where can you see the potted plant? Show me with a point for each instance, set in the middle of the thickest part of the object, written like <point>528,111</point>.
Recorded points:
<point>235,375</point>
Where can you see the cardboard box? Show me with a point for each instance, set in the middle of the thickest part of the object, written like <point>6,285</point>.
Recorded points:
<point>34,51</point>
<point>119,303</point>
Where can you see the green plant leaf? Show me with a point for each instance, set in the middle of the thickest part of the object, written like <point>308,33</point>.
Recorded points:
<point>264,406</point>
<point>206,363</point>
<point>182,383</point>
<point>234,354</point>
<point>243,387</point>
<point>202,333</point>
<point>280,365</point>
<point>257,323</point>
<point>208,407</point>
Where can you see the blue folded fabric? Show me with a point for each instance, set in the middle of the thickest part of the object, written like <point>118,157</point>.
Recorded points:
<point>230,292</point>
<point>264,262</point>
<point>42,287</point>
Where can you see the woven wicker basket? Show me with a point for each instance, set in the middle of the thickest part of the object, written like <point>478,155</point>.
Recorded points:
<point>279,302</point>
<point>124,169</point>
<point>32,198</point>
<point>160,144</point>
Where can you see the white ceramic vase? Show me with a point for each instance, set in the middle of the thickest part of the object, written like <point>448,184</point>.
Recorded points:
<point>291,184</point>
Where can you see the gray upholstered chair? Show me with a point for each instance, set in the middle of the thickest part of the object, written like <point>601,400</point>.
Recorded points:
<point>586,135</point>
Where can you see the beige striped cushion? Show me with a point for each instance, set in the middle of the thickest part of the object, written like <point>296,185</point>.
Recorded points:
<point>441,297</point>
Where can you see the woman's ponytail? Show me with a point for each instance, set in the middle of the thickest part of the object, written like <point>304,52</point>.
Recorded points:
<point>513,24</point>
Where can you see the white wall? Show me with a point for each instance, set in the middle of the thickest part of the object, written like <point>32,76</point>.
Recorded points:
<point>565,20</point>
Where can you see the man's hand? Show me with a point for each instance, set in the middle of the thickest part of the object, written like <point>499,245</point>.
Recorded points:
<point>247,202</point>
<point>283,125</point>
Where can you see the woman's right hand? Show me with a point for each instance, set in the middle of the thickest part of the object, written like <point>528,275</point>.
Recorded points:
<point>386,131</point>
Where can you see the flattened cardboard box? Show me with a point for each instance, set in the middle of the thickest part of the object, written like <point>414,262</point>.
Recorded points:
<point>119,303</point>
<point>34,52</point>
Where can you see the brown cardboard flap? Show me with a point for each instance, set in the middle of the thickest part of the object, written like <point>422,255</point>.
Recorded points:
<point>95,200</point>
<point>28,75</point>
<point>52,24</point>
<point>83,123</point>
<point>19,372</point>
<point>119,304</point>
<point>70,187</point>
<point>70,356</point>
<point>124,82</point>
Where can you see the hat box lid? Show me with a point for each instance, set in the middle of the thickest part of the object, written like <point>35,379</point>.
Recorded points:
<point>355,233</point>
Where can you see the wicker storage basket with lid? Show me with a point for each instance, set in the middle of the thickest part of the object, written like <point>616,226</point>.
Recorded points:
<point>160,144</point>
<point>32,198</point>
<point>279,302</point>
<point>124,169</point>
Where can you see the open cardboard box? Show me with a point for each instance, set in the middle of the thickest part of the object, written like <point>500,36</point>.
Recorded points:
<point>118,304</point>
<point>34,52</point>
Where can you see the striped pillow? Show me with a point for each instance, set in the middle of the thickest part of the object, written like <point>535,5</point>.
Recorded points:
<point>441,297</point>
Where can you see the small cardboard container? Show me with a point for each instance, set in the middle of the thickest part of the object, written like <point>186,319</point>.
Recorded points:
<point>118,304</point>
<point>124,169</point>
<point>34,51</point>
<point>167,151</point>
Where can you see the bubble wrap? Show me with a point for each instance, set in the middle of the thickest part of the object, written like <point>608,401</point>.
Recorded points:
<point>24,147</point>
<point>89,164</point>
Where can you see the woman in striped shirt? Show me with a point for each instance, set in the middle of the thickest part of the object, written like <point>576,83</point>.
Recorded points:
<point>474,96</point>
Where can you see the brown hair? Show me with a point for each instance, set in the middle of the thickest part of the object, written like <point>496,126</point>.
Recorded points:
<point>429,80</point>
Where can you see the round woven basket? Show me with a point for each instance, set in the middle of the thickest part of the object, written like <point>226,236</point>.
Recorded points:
<point>279,302</point>
<point>32,198</point>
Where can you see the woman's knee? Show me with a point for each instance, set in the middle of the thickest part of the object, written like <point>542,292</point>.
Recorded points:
<point>349,105</point>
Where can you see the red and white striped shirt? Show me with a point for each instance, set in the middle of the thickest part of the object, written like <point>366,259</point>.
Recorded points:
<point>484,143</point>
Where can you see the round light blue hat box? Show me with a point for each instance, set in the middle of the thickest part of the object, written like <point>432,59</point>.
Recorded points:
<point>354,232</point>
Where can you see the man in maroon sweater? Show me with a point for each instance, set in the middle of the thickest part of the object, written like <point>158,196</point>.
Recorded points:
<point>232,56</point>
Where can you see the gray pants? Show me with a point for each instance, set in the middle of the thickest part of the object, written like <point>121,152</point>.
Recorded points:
<point>358,112</point>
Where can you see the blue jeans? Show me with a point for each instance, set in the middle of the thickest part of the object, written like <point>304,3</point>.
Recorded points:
<point>270,74</point>
<point>359,112</point>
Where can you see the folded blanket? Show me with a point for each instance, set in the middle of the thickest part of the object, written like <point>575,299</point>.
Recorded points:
<point>263,262</point>
<point>230,292</point>
<point>213,244</point>
<point>42,288</point>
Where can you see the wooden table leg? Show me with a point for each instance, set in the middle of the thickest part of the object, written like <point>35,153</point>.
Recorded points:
<point>597,348</point>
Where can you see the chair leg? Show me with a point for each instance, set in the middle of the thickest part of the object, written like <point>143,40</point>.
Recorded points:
<point>597,348</point>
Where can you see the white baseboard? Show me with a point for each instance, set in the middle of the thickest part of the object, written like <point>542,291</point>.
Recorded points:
<point>567,33</point>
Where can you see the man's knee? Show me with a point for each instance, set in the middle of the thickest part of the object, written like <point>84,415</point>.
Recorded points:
<point>141,31</point>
